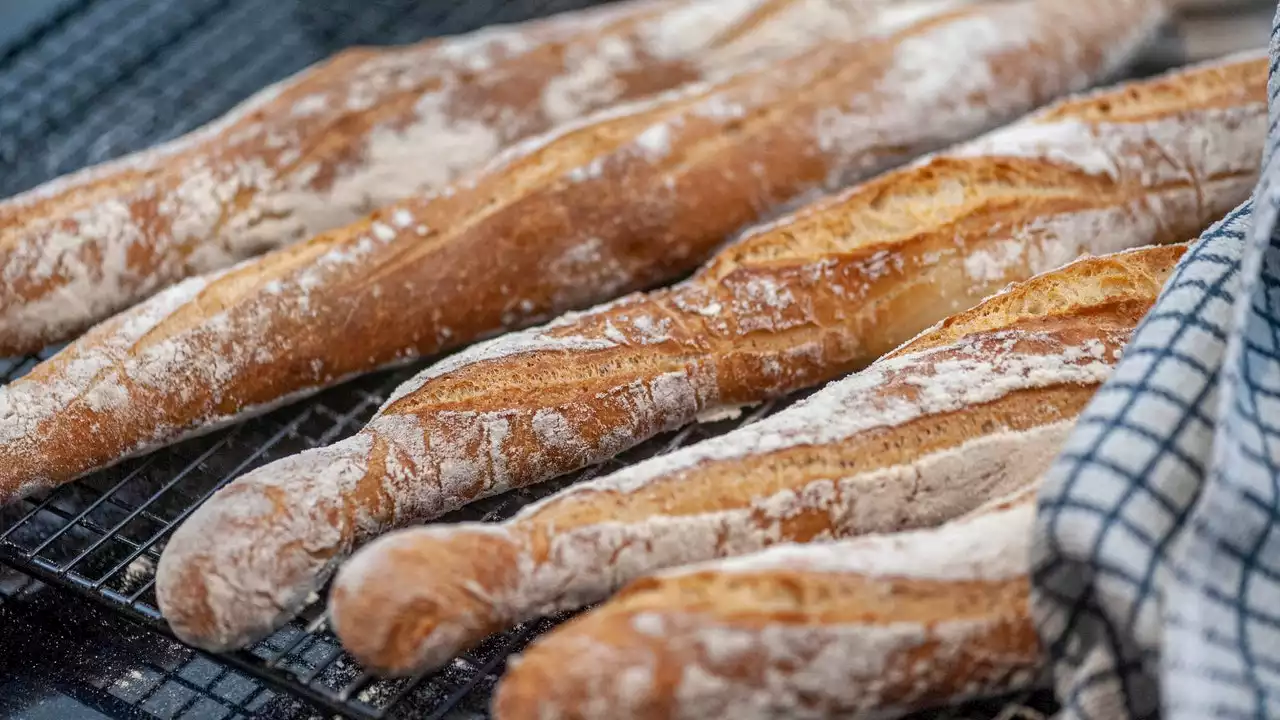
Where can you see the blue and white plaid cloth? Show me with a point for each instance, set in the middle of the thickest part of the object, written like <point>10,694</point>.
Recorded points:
<point>1156,580</point>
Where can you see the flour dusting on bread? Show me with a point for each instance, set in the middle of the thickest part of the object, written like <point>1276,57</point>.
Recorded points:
<point>822,630</point>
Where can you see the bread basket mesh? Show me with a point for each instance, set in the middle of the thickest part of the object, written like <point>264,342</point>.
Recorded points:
<point>94,79</point>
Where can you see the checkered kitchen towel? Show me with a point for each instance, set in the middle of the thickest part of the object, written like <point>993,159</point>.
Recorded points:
<point>1156,582</point>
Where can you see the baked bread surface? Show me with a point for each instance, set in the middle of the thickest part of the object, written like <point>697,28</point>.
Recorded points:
<point>873,627</point>
<point>969,411</point>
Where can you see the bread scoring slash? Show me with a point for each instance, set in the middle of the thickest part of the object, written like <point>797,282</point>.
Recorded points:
<point>973,409</point>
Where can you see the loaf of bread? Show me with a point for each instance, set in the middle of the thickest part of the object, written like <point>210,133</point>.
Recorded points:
<point>386,471</point>
<point>969,411</point>
<point>323,148</point>
<point>586,222</point>
<point>873,627</point>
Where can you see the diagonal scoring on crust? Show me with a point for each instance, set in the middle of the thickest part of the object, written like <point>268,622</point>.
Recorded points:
<point>921,436</point>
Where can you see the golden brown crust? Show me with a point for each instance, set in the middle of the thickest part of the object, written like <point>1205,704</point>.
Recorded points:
<point>1000,654</point>
<point>761,475</point>
<point>467,568</point>
<point>823,641</point>
<point>892,449</point>
<point>1220,85</point>
<point>829,254</point>
<point>1131,279</point>
<point>754,348</point>
<point>402,298</point>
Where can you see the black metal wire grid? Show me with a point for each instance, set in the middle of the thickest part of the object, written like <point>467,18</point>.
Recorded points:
<point>109,666</point>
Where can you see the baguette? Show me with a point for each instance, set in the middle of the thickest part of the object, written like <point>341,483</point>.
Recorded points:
<point>873,627</point>
<point>321,149</point>
<point>288,526</point>
<point>967,412</point>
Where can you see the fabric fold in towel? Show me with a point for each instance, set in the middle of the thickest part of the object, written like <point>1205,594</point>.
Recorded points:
<point>1156,563</point>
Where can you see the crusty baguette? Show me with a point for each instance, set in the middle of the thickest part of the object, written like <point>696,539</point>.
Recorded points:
<point>713,172</point>
<point>367,127</point>
<point>966,412</point>
<point>872,627</point>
